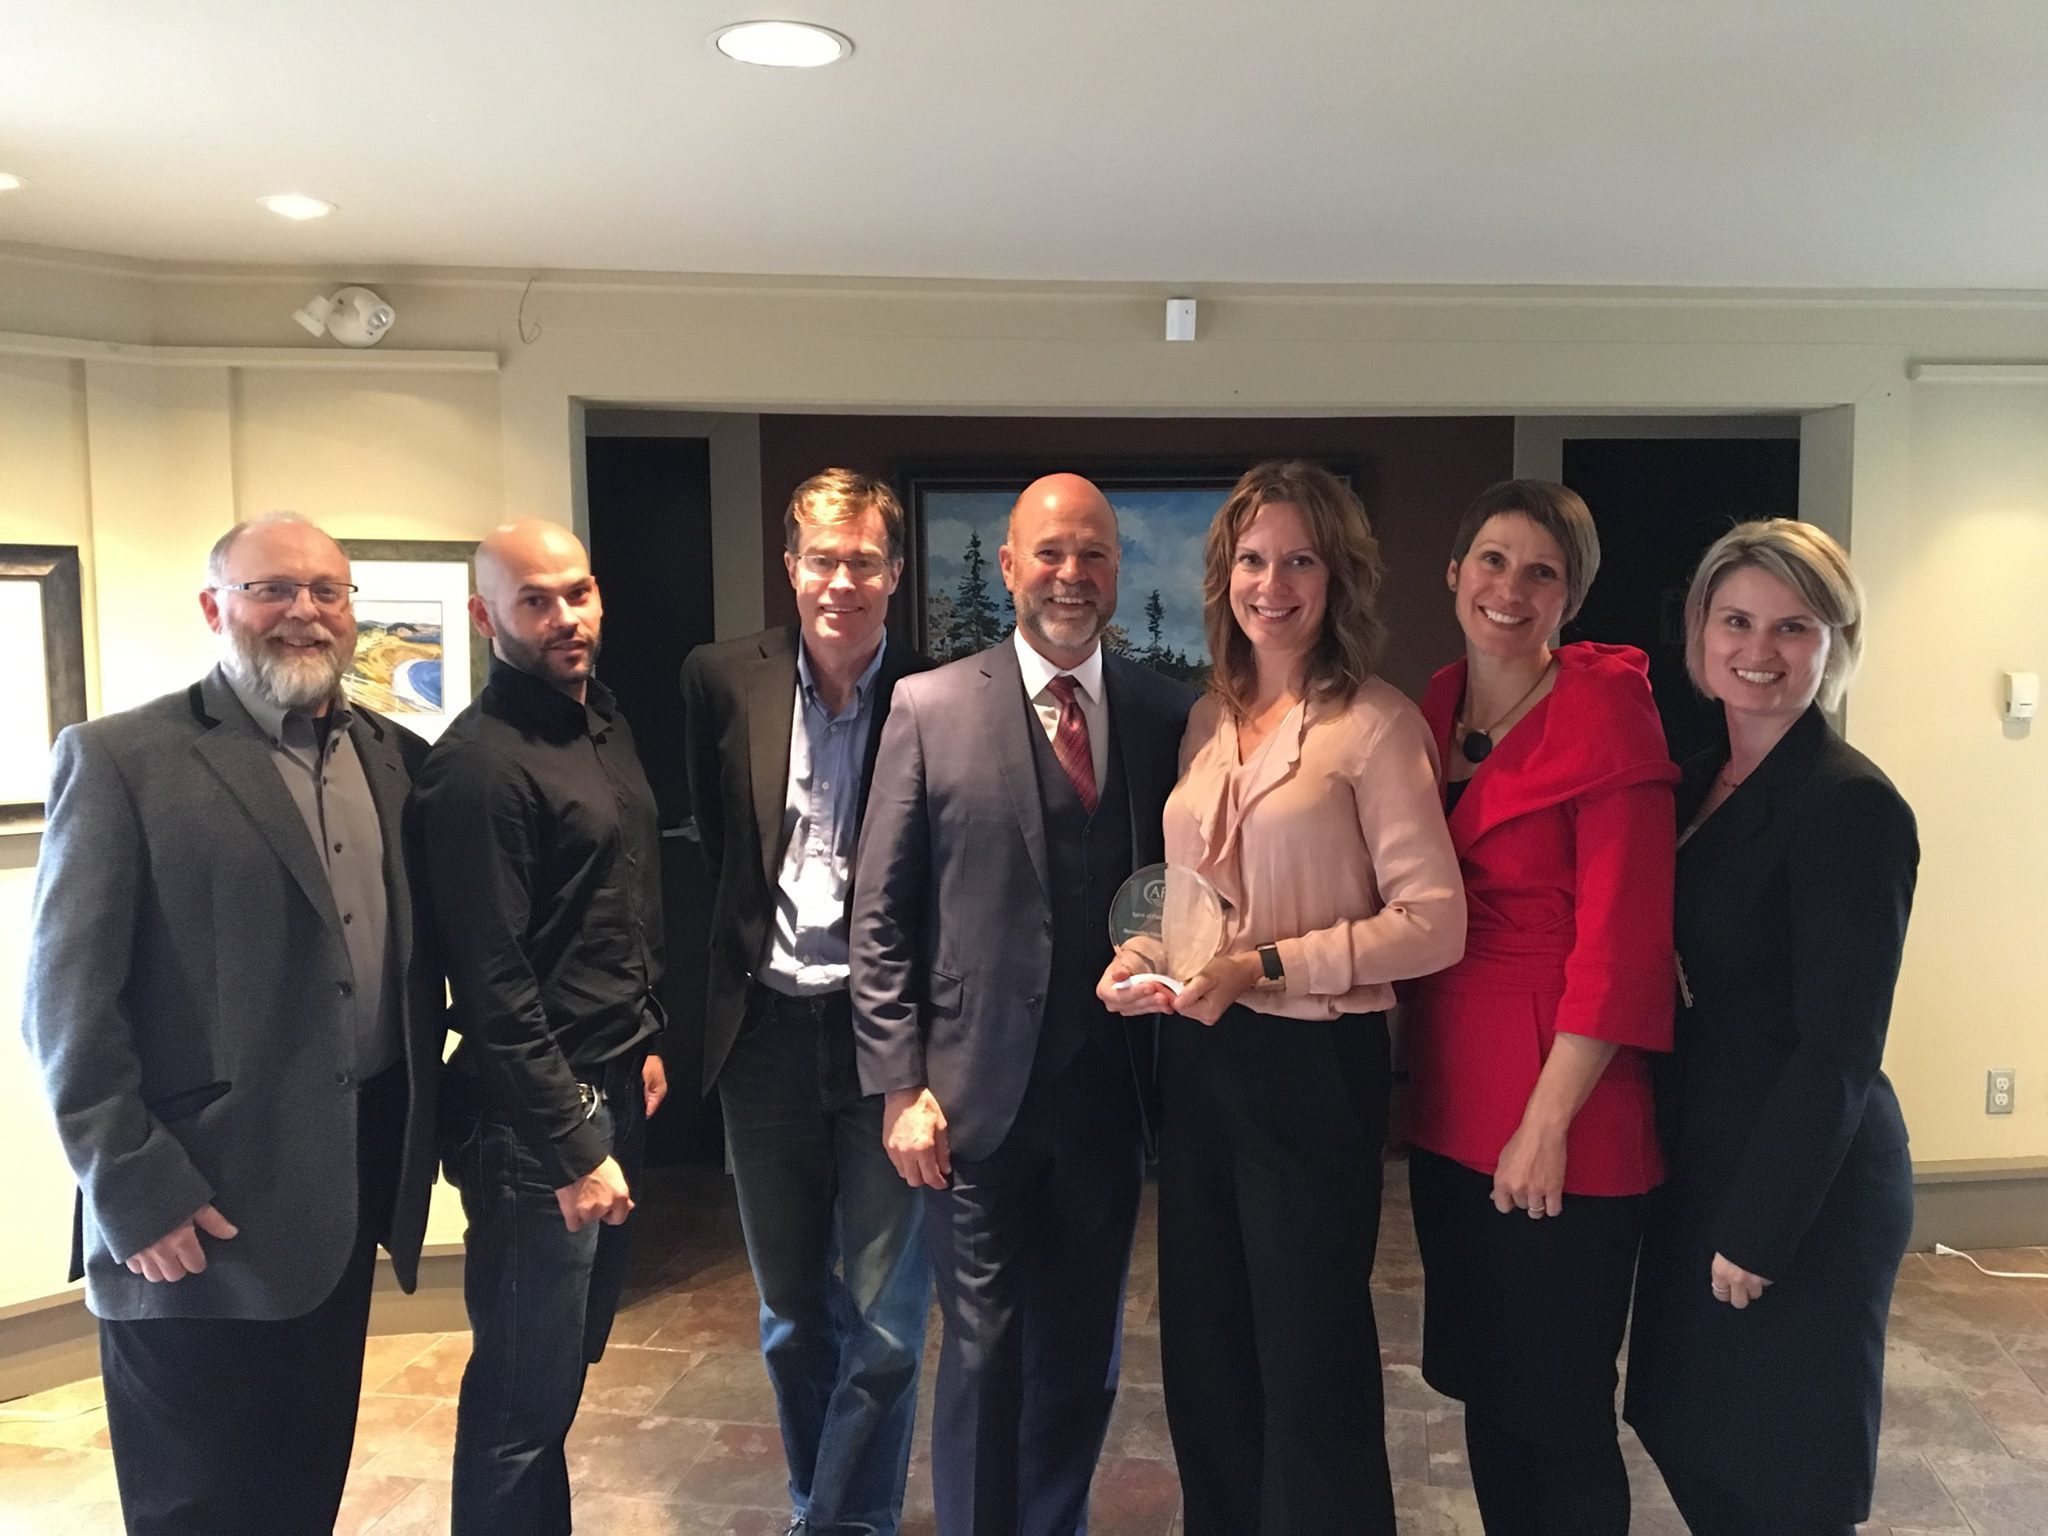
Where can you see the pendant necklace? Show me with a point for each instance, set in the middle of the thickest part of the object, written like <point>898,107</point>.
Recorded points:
<point>1478,745</point>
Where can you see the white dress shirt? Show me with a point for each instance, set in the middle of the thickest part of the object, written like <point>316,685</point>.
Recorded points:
<point>1038,675</point>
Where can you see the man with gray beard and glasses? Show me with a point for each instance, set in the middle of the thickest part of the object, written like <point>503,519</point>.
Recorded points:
<point>239,1025</point>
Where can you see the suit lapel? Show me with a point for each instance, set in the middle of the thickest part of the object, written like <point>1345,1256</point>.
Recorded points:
<point>1007,723</point>
<point>895,666</point>
<point>1132,729</point>
<point>238,754</point>
<point>770,686</point>
<point>1748,812</point>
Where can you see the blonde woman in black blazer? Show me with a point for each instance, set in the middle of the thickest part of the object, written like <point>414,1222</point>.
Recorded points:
<point>1756,1360</point>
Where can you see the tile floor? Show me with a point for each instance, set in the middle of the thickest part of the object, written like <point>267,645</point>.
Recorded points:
<point>676,1435</point>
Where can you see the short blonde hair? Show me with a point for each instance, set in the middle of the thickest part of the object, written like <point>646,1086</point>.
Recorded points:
<point>1347,654</point>
<point>1808,561</point>
<point>1559,511</point>
<point>835,496</point>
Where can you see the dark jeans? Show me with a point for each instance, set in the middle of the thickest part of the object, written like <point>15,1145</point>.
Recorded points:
<point>541,1300</point>
<point>1269,1208</point>
<point>834,1239</point>
<point>243,1427</point>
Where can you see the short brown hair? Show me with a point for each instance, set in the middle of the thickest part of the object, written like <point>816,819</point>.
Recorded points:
<point>1348,652</point>
<point>835,496</point>
<point>1808,561</point>
<point>1559,511</point>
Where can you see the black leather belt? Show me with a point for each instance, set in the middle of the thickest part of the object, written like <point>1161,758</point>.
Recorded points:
<point>821,1006</point>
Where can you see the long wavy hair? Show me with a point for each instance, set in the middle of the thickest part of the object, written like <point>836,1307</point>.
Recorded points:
<point>1354,636</point>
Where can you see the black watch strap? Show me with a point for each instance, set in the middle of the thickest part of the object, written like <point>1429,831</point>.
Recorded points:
<point>1273,973</point>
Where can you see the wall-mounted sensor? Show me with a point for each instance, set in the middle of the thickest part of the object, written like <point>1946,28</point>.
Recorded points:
<point>2022,695</point>
<point>1180,319</point>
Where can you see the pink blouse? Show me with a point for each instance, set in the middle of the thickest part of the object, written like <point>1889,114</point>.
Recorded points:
<point>1329,844</point>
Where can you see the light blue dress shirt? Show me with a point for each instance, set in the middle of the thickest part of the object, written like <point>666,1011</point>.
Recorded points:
<point>819,815</point>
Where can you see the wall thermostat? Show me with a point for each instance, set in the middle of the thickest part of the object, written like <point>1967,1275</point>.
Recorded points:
<point>2022,695</point>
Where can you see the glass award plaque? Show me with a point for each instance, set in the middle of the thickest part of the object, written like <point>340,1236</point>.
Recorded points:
<point>1172,918</point>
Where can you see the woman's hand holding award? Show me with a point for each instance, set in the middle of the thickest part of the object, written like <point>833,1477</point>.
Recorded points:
<point>1169,918</point>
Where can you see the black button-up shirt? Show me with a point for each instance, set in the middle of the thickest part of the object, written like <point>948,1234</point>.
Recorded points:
<point>544,857</point>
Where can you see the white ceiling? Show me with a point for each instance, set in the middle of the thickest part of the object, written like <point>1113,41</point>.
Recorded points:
<point>1808,143</point>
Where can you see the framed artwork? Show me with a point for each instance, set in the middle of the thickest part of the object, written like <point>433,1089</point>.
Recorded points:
<point>417,658</point>
<point>42,625</point>
<point>958,515</point>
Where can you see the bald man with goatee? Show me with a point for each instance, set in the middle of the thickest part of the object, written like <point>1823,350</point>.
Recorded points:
<point>544,861</point>
<point>1014,793</point>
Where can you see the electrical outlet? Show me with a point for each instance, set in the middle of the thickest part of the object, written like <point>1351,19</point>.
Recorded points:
<point>1998,1090</point>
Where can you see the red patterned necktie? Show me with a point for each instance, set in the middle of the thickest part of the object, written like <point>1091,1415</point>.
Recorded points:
<point>1070,742</point>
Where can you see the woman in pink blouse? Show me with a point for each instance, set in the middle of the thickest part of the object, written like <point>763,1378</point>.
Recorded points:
<point>1308,799</point>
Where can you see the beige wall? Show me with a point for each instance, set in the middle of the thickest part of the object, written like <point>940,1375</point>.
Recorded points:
<point>1946,486</point>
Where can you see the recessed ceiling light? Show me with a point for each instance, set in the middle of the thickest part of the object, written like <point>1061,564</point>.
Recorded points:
<point>784,44</point>
<point>9,182</point>
<point>296,205</point>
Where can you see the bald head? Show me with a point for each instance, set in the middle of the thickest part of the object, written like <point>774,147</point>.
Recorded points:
<point>1059,562</point>
<point>512,551</point>
<point>1052,494</point>
<point>538,602</point>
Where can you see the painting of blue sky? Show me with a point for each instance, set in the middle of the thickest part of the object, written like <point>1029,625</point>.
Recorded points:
<point>1162,529</point>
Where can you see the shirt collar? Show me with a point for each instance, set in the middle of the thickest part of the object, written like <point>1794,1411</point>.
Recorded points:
<point>534,701</point>
<point>807,680</point>
<point>278,723</point>
<point>1038,671</point>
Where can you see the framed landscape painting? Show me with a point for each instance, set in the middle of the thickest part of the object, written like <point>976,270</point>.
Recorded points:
<point>959,513</point>
<point>417,658</point>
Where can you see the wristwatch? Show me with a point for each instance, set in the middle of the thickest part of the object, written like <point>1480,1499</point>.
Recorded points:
<point>1273,975</point>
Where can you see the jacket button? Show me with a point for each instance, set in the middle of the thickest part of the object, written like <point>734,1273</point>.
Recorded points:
<point>342,1079</point>
<point>344,989</point>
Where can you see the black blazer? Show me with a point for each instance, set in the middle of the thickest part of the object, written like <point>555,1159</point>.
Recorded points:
<point>1787,1152</point>
<point>1791,913</point>
<point>952,913</point>
<point>739,704</point>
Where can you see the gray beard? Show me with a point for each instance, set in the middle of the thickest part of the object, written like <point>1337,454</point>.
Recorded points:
<point>301,684</point>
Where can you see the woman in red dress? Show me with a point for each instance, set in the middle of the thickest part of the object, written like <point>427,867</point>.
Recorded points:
<point>1534,1137</point>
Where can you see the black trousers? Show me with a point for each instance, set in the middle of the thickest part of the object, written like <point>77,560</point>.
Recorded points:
<point>1522,1321</point>
<point>239,1427</point>
<point>1713,1509</point>
<point>1269,1206</point>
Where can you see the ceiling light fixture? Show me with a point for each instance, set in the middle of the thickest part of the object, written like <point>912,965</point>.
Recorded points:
<point>782,44</point>
<point>296,206</point>
<point>355,317</point>
<point>9,182</point>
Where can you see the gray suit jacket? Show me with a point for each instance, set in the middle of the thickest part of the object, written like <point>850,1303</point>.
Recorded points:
<point>187,1005</point>
<point>952,914</point>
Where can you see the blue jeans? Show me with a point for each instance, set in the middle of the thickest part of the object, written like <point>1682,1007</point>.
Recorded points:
<point>833,1238</point>
<point>541,1300</point>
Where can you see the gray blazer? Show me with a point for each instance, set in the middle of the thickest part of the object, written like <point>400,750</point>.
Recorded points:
<point>951,933</point>
<point>186,1004</point>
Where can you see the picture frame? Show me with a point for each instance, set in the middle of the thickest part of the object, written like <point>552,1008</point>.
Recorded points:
<point>956,513</point>
<point>42,622</point>
<point>418,660</point>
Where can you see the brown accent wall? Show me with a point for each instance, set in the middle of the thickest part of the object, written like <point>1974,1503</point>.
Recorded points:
<point>1416,474</point>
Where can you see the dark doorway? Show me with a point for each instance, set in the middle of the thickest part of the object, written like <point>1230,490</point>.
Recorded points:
<point>1659,503</point>
<point>650,548</point>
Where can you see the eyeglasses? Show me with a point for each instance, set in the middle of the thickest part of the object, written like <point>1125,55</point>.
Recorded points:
<point>275,594</point>
<point>859,567</point>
